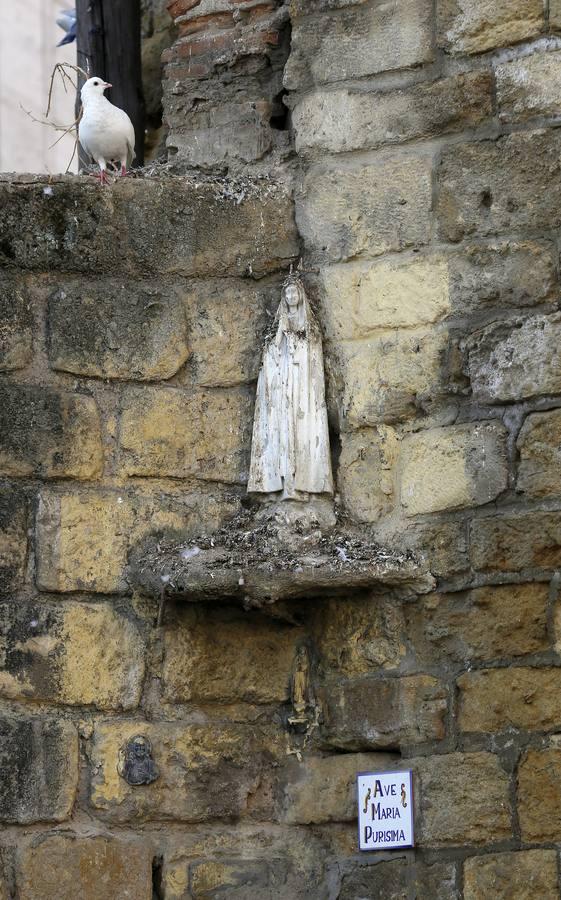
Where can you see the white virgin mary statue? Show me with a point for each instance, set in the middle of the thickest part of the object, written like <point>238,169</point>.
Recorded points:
<point>290,446</point>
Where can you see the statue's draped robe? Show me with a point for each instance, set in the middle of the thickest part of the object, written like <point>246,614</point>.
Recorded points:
<point>290,446</point>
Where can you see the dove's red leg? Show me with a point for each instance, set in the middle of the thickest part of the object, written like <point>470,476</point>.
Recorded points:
<point>123,170</point>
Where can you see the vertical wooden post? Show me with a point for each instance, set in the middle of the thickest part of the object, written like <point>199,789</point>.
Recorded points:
<point>108,39</point>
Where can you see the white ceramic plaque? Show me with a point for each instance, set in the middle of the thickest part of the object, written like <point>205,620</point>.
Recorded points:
<point>385,810</point>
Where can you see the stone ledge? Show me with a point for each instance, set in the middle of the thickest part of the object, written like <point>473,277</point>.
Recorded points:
<point>279,553</point>
<point>206,225</point>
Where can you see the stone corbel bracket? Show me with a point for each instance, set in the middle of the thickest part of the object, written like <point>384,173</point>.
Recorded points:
<point>256,563</point>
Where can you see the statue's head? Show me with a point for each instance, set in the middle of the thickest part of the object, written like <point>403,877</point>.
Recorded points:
<point>291,295</point>
<point>141,747</point>
<point>294,304</point>
<point>293,292</point>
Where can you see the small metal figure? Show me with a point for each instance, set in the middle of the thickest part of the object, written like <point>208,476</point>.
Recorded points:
<point>135,764</point>
<point>301,691</point>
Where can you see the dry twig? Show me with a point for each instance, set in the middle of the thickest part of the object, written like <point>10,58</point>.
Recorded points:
<point>61,69</point>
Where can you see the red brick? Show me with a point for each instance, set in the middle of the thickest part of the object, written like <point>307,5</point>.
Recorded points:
<point>180,7</point>
<point>180,73</point>
<point>217,21</point>
<point>258,12</point>
<point>200,46</point>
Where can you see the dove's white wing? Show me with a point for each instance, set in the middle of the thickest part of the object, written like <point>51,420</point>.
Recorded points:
<point>128,130</point>
<point>106,132</point>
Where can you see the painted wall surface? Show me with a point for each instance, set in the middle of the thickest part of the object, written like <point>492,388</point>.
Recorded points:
<point>28,38</point>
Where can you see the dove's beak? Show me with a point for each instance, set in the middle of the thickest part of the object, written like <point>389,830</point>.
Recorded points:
<point>107,85</point>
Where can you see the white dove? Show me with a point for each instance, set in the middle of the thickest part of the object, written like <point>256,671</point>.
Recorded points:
<point>105,131</point>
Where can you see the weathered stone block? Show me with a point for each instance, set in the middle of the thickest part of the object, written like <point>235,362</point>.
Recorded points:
<point>383,881</point>
<point>437,881</point>
<point>482,25</point>
<point>464,799</point>
<point>358,299</point>
<point>275,863</point>
<point>396,879</point>
<point>117,329</point>
<point>359,41</point>
<point>92,868</point>
<point>227,323</point>
<point>516,361</point>
<point>525,875</point>
<point>443,544</point>
<point>357,635</point>
<point>555,14</point>
<point>39,227</point>
<point>236,879</point>
<point>494,700</point>
<point>16,325</point>
<point>206,772</point>
<point>38,769</point>
<point>500,274</point>
<point>48,433</point>
<point>228,658</point>
<point>449,468</point>
<point>367,209</point>
<point>539,446</point>
<point>368,713</point>
<point>390,376</point>
<point>361,298</point>
<point>220,134</point>
<point>366,472</point>
<point>74,653</point>
<point>204,226</point>
<point>13,539</point>
<point>539,795</point>
<point>529,87</point>
<point>515,542</point>
<point>167,431</point>
<point>484,624</point>
<point>83,539</point>
<point>323,789</point>
<point>493,187</point>
<point>343,120</point>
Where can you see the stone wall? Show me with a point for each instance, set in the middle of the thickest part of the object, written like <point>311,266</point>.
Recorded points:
<point>423,162</point>
<point>223,84</point>
<point>427,202</point>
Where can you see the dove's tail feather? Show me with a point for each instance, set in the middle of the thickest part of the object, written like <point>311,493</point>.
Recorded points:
<point>67,39</point>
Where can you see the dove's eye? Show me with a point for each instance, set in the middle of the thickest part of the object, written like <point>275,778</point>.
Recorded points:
<point>96,83</point>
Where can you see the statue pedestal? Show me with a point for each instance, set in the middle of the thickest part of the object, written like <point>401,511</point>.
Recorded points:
<point>281,551</point>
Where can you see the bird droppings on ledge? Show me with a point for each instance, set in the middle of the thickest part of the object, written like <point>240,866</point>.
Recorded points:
<point>259,558</point>
<point>227,188</point>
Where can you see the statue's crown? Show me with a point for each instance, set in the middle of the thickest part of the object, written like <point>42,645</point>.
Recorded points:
<point>292,279</point>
